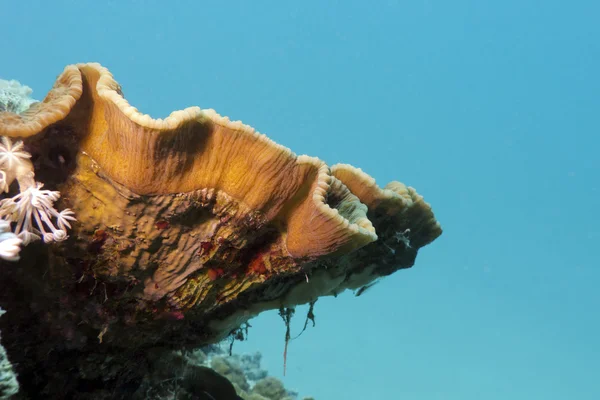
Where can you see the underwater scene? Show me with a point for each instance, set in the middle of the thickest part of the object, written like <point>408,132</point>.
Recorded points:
<point>325,200</point>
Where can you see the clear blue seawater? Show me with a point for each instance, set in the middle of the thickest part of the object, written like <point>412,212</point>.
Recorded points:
<point>489,109</point>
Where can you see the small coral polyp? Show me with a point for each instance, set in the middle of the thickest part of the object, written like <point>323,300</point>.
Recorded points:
<point>14,164</point>
<point>32,209</point>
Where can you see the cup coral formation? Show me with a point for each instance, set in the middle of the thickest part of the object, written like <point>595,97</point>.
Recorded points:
<point>186,226</point>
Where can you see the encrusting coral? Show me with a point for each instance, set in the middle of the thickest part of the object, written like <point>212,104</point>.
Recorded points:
<point>8,380</point>
<point>14,97</point>
<point>186,227</point>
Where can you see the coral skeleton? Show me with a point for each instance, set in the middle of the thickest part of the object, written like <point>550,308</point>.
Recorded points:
<point>32,210</point>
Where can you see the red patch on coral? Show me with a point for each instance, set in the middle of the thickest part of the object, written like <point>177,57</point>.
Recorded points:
<point>100,234</point>
<point>214,273</point>
<point>98,240</point>
<point>205,247</point>
<point>258,266</point>
<point>172,315</point>
<point>162,224</point>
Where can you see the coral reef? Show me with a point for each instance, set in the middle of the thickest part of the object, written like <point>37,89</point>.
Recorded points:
<point>8,380</point>
<point>186,228</point>
<point>14,97</point>
<point>175,374</point>
<point>244,372</point>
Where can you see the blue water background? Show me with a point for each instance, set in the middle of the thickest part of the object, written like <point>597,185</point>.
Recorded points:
<point>490,109</point>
